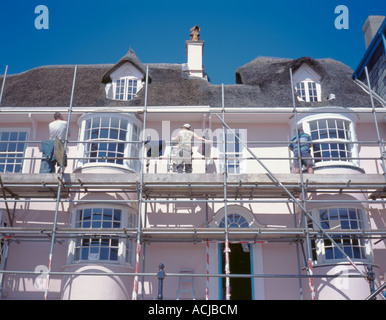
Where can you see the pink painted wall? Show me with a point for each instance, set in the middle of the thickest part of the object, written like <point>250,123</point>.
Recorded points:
<point>276,258</point>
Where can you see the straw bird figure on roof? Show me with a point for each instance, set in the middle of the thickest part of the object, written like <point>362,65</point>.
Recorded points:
<point>194,33</point>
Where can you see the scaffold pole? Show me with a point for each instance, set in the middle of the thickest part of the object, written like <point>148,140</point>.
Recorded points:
<point>140,191</point>
<point>58,198</point>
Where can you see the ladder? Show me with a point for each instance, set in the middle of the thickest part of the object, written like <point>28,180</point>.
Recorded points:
<point>184,282</point>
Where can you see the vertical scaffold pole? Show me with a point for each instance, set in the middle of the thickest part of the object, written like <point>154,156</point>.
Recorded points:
<point>377,129</point>
<point>207,270</point>
<point>225,174</point>
<point>207,251</point>
<point>3,84</point>
<point>144,255</point>
<point>304,195</point>
<point>139,226</point>
<point>207,216</point>
<point>58,198</point>
<point>376,123</point>
<point>10,220</point>
<point>295,225</point>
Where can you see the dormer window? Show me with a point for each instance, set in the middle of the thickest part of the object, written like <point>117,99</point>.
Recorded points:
<point>307,91</point>
<point>126,82</point>
<point>126,78</point>
<point>123,81</point>
<point>126,88</point>
<point>307,84</point>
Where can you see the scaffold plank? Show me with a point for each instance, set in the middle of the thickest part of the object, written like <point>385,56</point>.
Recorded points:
<point>195,185</point>
<point>174,233</point>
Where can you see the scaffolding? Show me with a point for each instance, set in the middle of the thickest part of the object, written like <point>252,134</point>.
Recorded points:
<point>199,188</point>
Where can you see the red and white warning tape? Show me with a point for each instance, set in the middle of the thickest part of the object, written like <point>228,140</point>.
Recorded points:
<point>227,271</point>
<point>311,280</point>
<point>207,270</point>
<point>135,288</point>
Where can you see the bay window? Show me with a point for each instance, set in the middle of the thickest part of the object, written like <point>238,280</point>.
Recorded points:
<point>333,137</point>
<point>357,248</point>
<point>97,248</point>
<point>111,140</point>
<point>102,248</point>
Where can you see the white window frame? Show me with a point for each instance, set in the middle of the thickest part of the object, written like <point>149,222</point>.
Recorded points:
<point>12,156</point>
<point>129,88</point>
<point>125,251</point>
<point>307,84</point>
<point>308,91</point>
<point>125,73</point>
<point>323,131</point>
<point>235,220</point>
<point>352,147</point>
<point>134,148</point>
<point>131,143</point>
<point>234,154</point>
<point>321,246</point>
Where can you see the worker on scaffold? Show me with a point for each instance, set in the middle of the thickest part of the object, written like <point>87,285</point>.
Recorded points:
<point>305,147</point>
<point>57,129</point>
<point>184,152</point>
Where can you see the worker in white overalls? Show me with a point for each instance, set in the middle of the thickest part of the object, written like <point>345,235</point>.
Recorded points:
<point>184,152</point>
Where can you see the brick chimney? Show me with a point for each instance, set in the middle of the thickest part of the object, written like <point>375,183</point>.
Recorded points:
<point>194,52</point>
<point>371,27</point>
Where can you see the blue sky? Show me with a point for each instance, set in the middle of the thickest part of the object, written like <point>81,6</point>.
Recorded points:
<point>235,32</point>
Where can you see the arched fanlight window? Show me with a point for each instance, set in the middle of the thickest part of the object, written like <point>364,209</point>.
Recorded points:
<point>235,221</point>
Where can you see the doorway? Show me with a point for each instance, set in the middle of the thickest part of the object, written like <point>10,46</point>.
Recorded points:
<point>239,263</point>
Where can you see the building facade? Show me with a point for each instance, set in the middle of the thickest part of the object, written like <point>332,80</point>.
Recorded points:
<point>100,228</point>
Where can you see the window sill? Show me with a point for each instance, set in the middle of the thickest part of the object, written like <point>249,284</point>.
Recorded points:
<point>342,262</point>
<point>104,166</point>
<point>337,165</point>
<point>123,100</point>
<point>99,263</point>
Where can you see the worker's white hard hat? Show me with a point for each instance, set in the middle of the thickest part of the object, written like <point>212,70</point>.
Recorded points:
<point>186,125</point>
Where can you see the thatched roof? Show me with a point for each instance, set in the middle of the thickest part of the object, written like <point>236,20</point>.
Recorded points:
<point>51,87</point>
<point>264,82</point>
<point>272,77</point>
